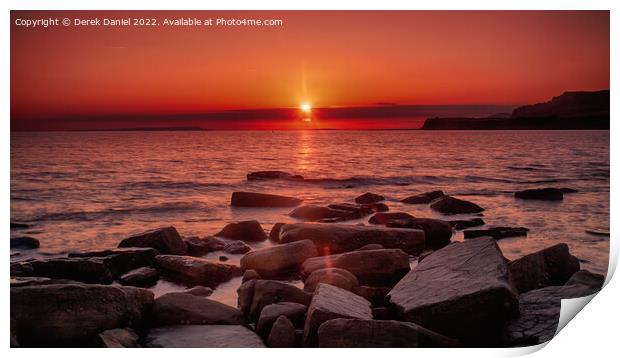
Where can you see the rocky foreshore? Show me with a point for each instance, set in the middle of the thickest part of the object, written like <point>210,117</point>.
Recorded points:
<point>359,288</point>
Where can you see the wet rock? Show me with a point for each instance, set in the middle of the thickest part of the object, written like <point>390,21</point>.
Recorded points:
<point>24,242</point>
<point>274,234</point>
<point>243,230</point>
<point>249,275</point>
<point>254,295</point>
<point>87,270</point>
<point>32,281</point>
<point>237,247</point>
<point>120,261</point>
<point>381,267</point>
<point>379,207</point>
<point>196,246</point>
<point>549,194</point>
<point>282,334</point>
<point>356,210</point>
<point>450,205</point>
<point>200,291</point>
<point>223,258</point>
<point>337,238</point>
<point>294,312</point>
<point>330,302</point>
<point>496,233</point>
<point>51,315</point>
<point>272,175</point>
<point>19,226</point>
<point>118,338</point>
<point>385,218</point>
<point>242,198</point>
<point>586,278</point>
<point>203,336</point>
<point>196,271</point>
<point>464,224</point>
<point>369,198</point>
<point>214,244</point>
<point>165,240</point>
<point>437,233</point>
<point>462,291</point>
<point>374,294</point>
<point>368,333</point>
<point>333,276</point>
<point>315,213</point>
<point>552,266</point>
<point>140,277</point>
<point>423,198</point>
<point>278,260</point>
<point>371,247</point>
<point>183,308</point>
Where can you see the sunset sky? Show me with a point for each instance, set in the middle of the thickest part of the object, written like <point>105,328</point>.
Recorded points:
<point>121,77</point>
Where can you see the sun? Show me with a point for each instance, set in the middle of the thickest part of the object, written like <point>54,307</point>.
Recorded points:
<point>305,107</point>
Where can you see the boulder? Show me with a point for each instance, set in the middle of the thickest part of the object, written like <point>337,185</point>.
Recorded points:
<point>196,271</point>
<point>333,276</point>
<point>552,266</point>
<point>223,258</point>
<point>330,302</point>
<point>24,242</point>
<point>497,233</point>
<point>274,234</point>
<point>183,308</point>
<point>140,277</point>
<point>464,224</point>
<point>282,334</point>
<point>166,240</point>
<point>437,233</point>
<point>254,295</point>
<point>69,314</point>
<point>450,205</point>
<point>462,291</point>
<point>356,210</point>
<point>369,198</point>
<point>272,175</point>
<point>242,198</point>
<point>203,336</point>
<point>316,212</point>
<point>249,275</point>
<point>586,278</point>
<point>244,230</point>
<point>423,198</point>
<point>368,333</point>
<point>382,267</point>
<point>295,312</point>
<point>87,270</point>
<point>118,338</point>
<point>237,247</point>
<point>374,294</point>
<point>120,261</point>
<point>197,246</point>
<point>549,194</point>
<point>277,260</point>
<point>385,218</point>
<point>200,291</point>
<point>337,238</point>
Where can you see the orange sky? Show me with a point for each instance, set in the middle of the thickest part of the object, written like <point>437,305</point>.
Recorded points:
<point>343,58</point>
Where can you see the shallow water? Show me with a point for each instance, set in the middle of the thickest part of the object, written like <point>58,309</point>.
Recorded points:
<point>88,190</point>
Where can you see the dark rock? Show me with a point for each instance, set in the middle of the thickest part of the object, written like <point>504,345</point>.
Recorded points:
<point>203,336</point>
<point>24,242</point>
<point>371,247</point>
<point>250,275</point>
<point>356,210</point>
<point>449,205</point>
<point>51,315</point>
<point>118,338</point>
<point>87,270</point>
<point>331,239</point>
<point>140,277</point>
<point>19,226</point>
<point>274,234</point>
<point>369,198</point>
<point>385,218</point>
<point>200,291</point>
<point>568,190</point>
<point>586,278</point>
<point>214,244</point>
<point>184,308</point>
<point>552,266</point>
<point>196,271</point>
<point>120,261</point>
<point>273,174</point>
<point>383,267</point>
<point>242,198</point>
<point>464,224</point>
<point>196,246</point>
<point>315,212</point>
<point>462,291</point>
<point>166,240</point>
<point>423,198</point>
<point>330,302</point>
<point>282,334</point>
<point>244,230</point>
<point>333,276</point>
<point>237,247</point>
<point>379,207</point>
<point>550,194</point>
<point>496,233</point>
<point>278,260</point>
<point>223,258</point>
<point>254,295</point>
<point>32,281</point>
<point>14,343</point>
<point>368,333</point>
<point>374,294</point>
<point>437,233</point>
<point>295,312</point>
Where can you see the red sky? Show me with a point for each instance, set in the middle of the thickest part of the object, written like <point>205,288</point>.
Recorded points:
<point>329,59</point>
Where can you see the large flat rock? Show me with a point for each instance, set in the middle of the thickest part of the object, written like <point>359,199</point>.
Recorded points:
<point>280,259</point>
<point>184,308</point>
<point>203,336</point>
<point>196,271</point>
<point>461,291</point>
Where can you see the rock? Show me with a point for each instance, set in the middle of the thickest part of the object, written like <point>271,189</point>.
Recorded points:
<point>449,205</point>
<point>196,271</point>
<point>333,276</point>
<point>437,233</point>
<point>550,194</point>
<point>13,330</point>
<point>568,190</point>
<point>223,258</point>
<point>462,291</point>
<point>184,308</point>
<point>337,238</point>
<point>254,295</point>
<point>294,312</point>
<point>243,230</point>
<point>385,218</point>
<point>166,240</point>
<point>273,174</point>
<point>87,270</point>
<point>552,266</point>
<point>196,246</point>
<point>278,260</point>
<point>52,315</point>
<point>371,247</point>
<point>369,198</point>
<point>423,198</point>
<point>250,275</point>
<point>274,234</point>
<point>330,302</point>
<point>237,247</point>
<point>242,198</point>
<point>374,294</point>
<point>464,224</point>
<point>24,242</point>
<point>214,244</point>
<point>282,334</point>
<point>203,336</point>
<point>140,277</point>
<point>120,261</point>
<point>356,210</point>
<point>315,212</point>
<point>118,338</point>
<point>496,233</point>
<point>199,291</point>
<point>379,207</point>
<point>586,278</point>
<point>368,333</point>
<point>19,226</point>
<point>383,267</point>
